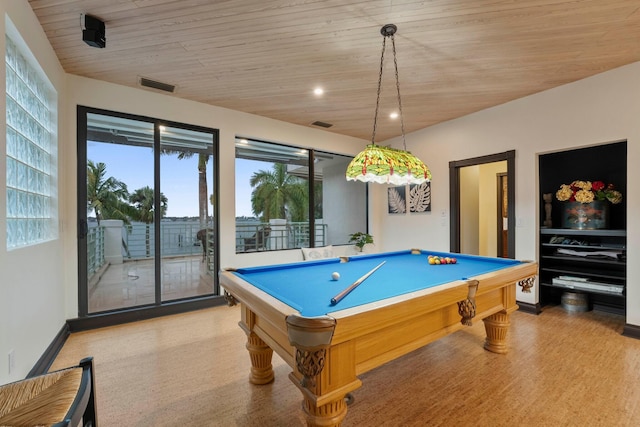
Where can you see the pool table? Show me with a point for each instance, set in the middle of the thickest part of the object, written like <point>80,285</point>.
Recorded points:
<point>401,306</point>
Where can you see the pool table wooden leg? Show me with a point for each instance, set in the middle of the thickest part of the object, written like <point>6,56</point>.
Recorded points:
<point>328,415</point>
<point>324,373</point>
<point>496,327</point>
<point>260,354</point>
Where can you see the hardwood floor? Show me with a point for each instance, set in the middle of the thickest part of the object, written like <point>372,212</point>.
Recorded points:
<point>192,370</point>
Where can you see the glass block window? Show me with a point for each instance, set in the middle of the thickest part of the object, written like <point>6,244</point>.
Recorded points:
<point>31,151</point>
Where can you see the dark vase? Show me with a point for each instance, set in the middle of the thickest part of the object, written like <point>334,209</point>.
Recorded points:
<point>586,216</point>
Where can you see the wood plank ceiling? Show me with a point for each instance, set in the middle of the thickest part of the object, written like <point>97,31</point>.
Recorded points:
<point>455,57</point>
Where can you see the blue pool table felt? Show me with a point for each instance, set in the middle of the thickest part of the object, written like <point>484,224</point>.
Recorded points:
<point>308,286</point>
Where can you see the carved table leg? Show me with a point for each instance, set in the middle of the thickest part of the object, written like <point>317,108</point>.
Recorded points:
<point>328,415</point>
<point>496,327</point>
<point>260,353</point>
<point>324,391</point>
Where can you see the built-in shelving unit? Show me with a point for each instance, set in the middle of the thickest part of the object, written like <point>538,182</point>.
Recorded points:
<point>588,261</point>
<point>585,261</point>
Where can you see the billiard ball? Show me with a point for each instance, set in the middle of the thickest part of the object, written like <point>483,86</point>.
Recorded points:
<point>335,275</point>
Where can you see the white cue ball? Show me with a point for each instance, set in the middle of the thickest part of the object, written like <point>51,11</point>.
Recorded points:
<point>335,275</point>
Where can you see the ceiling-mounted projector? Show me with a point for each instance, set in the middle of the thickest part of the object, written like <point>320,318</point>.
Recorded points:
<point>93,32</point>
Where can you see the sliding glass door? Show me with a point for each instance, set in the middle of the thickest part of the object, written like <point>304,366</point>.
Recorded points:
<point>147,192</point>
<point>186,166</point>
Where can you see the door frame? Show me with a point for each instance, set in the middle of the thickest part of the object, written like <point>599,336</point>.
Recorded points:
<point>454,197</point>
<point>500,177</point>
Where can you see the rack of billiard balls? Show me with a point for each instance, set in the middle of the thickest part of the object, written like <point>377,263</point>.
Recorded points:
<point>437,260</point>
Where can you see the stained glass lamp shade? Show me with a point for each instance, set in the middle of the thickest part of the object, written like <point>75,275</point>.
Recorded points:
<point>386,165</point>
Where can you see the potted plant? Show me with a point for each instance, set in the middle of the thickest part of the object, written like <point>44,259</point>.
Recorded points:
<point>360,239</point>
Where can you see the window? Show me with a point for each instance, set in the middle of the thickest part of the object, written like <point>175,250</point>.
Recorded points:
<point>278,206</point>
<point>31,150</point>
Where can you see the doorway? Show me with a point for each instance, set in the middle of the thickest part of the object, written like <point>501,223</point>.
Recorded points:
<point>147,192</point>
<point>461,195</point>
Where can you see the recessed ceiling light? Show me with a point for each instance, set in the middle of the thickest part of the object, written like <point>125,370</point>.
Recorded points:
<point>318,91</point>
<point>393,115</point>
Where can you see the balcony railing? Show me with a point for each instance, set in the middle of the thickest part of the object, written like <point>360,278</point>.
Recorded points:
<point>177,239</point>
<point>271,237</point>
<point>137,241</point>
<point>95,250</point>
<point>181,239</point>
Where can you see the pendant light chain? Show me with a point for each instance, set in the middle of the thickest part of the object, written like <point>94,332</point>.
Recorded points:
<point>395,63</point>
<point>375,117</point>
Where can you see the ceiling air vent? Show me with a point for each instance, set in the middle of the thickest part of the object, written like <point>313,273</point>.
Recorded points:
<point>157,85</point>
<point>321,124</point>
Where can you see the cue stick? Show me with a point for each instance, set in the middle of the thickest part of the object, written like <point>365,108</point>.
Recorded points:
<point>344,293</point>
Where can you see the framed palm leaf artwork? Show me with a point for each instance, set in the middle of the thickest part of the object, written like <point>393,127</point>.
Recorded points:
<point>397,200</point>
<point>420,197</point>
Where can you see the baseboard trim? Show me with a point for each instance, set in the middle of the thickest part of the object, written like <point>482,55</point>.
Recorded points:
<point>631,331</point>
<point>529,308</point>
<point>46,360</point>
<point>142,313</point>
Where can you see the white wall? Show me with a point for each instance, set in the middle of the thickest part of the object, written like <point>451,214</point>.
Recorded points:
<point>32,283</point>
<point>600,109</point>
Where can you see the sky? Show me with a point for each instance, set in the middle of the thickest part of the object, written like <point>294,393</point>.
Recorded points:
<point>179,178</point>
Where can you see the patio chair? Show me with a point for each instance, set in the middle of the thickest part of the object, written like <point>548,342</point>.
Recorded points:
<point>259,239</point>
<point>60,398</point>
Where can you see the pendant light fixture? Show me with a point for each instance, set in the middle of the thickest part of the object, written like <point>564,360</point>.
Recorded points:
<point>386,165</point>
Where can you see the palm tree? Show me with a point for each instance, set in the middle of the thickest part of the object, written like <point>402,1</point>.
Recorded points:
<point>106,197</point>
<point>275,192</point>
<point>317,199</point>
<point>203,205</point>
<point>144,210</point>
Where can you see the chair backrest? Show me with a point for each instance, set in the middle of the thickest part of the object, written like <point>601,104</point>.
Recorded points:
<point>261,235</point>
<point>41,400</point>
